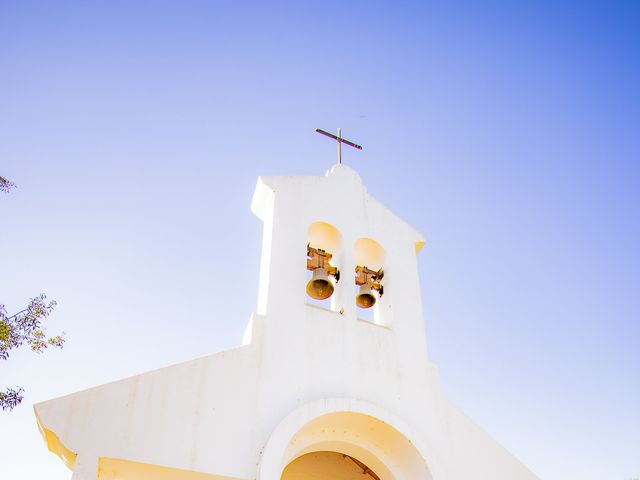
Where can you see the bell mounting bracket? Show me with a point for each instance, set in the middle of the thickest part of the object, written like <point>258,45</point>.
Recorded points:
<point>318,258</point>
<point>372,278</point>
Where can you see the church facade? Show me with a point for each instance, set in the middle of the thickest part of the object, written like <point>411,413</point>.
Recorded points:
<point>321,388</point>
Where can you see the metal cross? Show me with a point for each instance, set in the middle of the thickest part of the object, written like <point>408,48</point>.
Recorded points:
<point>340,142</point>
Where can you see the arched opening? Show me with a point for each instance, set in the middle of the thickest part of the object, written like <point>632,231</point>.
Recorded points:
<point>375,436</point>
<point>324,237</point>
<point>325,465</point>
<point>369,255</point>
<point>375,444</point>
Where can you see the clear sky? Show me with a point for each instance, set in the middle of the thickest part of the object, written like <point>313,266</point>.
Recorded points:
<point>506,132</point>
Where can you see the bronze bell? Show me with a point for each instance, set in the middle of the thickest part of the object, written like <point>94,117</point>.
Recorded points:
<point>365,298</point>
<point>319,287</point>
<point>368,280</point>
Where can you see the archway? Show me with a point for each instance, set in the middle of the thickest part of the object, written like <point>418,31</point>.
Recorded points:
<point>348,427</point>
<point>369,254</point>
<point>326,238</point>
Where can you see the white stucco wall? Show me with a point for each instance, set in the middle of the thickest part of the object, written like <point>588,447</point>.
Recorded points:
<point>305,376</point>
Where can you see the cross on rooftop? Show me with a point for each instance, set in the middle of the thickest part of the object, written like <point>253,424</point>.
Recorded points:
<point>340,142</point>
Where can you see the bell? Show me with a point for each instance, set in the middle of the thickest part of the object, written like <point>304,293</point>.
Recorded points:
<point>319,287</point>
<point>365,298</point>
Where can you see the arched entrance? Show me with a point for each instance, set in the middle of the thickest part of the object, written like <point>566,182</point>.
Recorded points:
<point>328,466</point>
<point>333,438</point>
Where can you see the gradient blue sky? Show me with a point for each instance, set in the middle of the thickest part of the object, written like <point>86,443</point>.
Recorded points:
<point>506,132</point>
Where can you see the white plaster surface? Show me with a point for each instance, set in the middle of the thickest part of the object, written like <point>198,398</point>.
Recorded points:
<point>306,378</point>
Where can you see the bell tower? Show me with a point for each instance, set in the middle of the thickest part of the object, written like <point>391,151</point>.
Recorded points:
<point>328,233</point>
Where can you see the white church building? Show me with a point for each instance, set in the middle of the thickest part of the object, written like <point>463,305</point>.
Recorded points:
<point>320,389</point>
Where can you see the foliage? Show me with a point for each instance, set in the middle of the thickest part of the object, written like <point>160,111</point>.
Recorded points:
<point>11,398</point>
<point>25,327</point>
<point>6,185</point>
